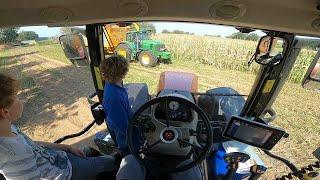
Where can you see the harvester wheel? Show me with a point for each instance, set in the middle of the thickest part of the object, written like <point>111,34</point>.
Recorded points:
<point>147,59</point>
<point>124,50</point>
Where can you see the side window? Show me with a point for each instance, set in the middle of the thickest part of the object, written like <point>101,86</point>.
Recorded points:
<point>129,37</point>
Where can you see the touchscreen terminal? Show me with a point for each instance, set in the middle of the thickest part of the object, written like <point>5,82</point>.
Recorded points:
<point>253,133</point>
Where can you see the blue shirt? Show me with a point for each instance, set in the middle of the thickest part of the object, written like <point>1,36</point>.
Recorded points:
<point>118,111</point>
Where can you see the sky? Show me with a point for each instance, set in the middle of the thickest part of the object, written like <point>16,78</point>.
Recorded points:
<point>196,28</point>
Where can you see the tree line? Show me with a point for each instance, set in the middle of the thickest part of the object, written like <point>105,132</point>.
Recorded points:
<point>243,36</point>
<point>176,32</point>
<point>9,35</point>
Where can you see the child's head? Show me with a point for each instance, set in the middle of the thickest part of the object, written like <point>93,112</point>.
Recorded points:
<point>10,105</point>
<point>114,68</point>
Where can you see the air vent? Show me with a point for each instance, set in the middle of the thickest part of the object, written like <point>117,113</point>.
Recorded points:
<point>133,7</point>
<point>56,14</point>
<point>227,10</point>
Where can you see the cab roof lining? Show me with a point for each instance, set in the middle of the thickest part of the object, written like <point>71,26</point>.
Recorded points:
<point>292,16</point>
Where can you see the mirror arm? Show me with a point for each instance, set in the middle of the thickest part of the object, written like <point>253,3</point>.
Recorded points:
<point>312,65</point>
<point>314,79</point>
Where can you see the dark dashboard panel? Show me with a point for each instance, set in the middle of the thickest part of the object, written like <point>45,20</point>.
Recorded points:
<point>176,112</point>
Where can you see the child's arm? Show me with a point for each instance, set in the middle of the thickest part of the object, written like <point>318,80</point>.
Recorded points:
<point>62,147</point>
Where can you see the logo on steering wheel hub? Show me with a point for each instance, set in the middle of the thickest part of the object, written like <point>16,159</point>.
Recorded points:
<point>168,135</point>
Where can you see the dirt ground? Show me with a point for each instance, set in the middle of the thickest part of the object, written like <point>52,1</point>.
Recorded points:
<point>55,97</point>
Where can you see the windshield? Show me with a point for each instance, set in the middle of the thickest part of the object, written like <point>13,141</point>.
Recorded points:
<point>133,36</point>
<point>205,52</point>
<point>144,35</point>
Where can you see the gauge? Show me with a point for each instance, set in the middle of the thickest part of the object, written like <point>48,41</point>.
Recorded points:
<point>173,105</point>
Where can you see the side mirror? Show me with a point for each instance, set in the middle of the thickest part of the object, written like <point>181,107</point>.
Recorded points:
<point>269,50</point>
<point>74,49</point>
<point>312,78</point>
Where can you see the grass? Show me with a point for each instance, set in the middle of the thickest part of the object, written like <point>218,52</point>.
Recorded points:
<point>297,108</point>
<point>3,59</point>
<point>53,51</point>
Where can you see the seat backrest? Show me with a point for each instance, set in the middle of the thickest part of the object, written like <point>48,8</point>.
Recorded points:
<point>138,95</point>
<point>229,105</point>
<point>209,105</point>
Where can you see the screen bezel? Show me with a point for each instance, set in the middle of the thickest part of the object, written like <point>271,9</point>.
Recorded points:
<point>274,138</point>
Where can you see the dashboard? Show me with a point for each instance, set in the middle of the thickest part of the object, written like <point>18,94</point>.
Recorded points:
<point>175,111</point>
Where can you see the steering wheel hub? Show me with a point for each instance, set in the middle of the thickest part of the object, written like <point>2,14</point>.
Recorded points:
<point>169,135</point>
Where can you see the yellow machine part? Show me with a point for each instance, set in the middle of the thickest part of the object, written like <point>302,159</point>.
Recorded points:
<point>113,33</point>
<point>116,35</point>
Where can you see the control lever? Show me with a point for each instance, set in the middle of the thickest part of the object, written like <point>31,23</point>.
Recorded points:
<point>256,171</point>
<point>233,159</point>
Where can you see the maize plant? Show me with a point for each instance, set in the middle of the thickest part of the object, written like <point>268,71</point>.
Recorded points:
<point>224,53</point>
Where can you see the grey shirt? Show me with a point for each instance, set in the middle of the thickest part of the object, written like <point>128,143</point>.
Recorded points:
<point>21,158</point>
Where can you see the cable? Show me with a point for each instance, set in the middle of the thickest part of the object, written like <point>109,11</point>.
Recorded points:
<point>293,168</point>
<point>88,127</point>
<point>303,173</point>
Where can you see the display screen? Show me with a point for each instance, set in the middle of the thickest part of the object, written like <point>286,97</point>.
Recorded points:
<point>253,133</point>
<point>249,133</point>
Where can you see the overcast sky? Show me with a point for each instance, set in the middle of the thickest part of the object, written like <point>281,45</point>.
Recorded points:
<point>197,28</point>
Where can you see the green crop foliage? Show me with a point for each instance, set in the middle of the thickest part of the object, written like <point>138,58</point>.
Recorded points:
<point>225,53</point>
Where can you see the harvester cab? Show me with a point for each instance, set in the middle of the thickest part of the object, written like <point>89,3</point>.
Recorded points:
<point>137,38</point>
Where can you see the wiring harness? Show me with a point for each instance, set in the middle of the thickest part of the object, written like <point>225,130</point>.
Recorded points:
<point>307,172</point>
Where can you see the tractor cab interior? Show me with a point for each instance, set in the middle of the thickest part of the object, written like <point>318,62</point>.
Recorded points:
<point>184,122</point>
<point>179,123</point>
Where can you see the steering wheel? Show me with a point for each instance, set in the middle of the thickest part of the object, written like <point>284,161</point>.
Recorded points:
<point>174,137</point>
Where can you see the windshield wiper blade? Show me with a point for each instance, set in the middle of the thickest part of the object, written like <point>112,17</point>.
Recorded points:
<point>217,94</point>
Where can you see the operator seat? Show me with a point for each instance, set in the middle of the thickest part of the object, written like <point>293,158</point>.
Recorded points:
<point>138,95</point>
<point>219,109</point>
<point>228,105</point>
<point>217,106</point>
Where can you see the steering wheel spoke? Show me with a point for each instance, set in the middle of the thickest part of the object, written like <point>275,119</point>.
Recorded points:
<point>167,112</point>
<point>190,144</point>
<point>148,147</point>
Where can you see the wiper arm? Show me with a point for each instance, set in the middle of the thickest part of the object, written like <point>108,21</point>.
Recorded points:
<point>217,94</point>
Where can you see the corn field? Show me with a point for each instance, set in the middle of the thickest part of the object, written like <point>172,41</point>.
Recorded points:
<point>224,53</point>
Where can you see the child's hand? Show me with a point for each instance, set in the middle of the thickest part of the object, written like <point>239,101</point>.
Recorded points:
<point>76,151</point>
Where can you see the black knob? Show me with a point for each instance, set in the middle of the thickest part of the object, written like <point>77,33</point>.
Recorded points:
<point>256,171</point>
<point>236,157</point>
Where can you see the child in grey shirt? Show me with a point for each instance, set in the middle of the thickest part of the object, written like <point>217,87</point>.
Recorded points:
<point>22,158</point>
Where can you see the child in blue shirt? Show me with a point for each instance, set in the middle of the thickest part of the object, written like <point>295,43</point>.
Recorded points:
<point>115,99</point>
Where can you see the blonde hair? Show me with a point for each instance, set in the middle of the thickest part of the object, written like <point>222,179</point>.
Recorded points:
<point>9,88</point>
<point>114,68</point>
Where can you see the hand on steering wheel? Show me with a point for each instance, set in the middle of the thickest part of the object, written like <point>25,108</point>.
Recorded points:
<point>168,135</point>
